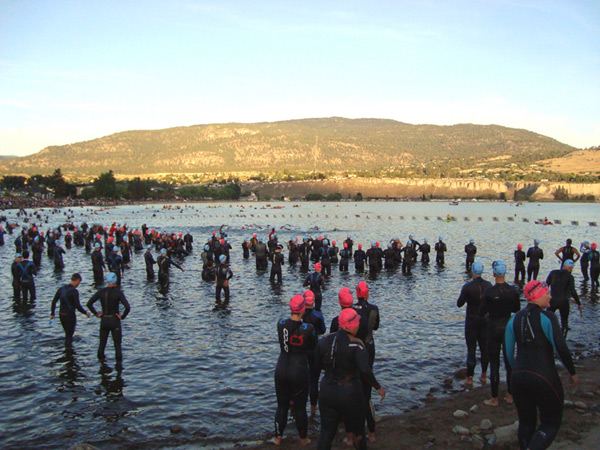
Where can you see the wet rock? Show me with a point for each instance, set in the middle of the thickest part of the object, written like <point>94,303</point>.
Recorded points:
<point>478,442</point>
<point>580,405</point>
<point>460,414</point>
<point>589,394</point>
<point>507,435</point>
<point>485,425</point>
<point>568,403</point>
<point>68,434</point>
<point>83,446</point>
<point>475,430</point>
<point>458,429</point>
<point>461,374</point>
<point>448,382</point>
<point>429,398</point>
<point>433,390</point>
<point>200,433</point>
<point>474,409</point>
<point>176,429</point>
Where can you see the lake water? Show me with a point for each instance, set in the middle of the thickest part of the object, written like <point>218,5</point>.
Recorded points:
<point>210,369</point>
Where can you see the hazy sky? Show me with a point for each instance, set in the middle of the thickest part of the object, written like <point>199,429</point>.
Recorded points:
<point>78,70</point>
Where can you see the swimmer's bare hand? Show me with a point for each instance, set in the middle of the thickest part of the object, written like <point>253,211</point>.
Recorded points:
<point>88,314</point>
<point>98,315</point>
<point>119,316</point>
<point>381,392</point>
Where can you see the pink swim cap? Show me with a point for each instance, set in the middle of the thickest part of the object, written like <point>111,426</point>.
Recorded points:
<point>318,266</point>
<point>348,319</point>
<point>345,245</point>
<point>359,246</point>
<point>593,246</point>
<point>534,290</point>
<point>297,304</point>
<point>362,290</point>
<point>309,296</point>
<point>333,242</point>
<point>520,246</point>
<point>377,243</point>
<point>345,297</point>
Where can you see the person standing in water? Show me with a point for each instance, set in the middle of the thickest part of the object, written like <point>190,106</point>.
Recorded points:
<point>567,252</point>
<point>68,295</point>
<point>562,286</point>
<point>594,258</point>
<point>475,326</point>
<point>292,378</point>
<point>440,250</point>
<point>535,381</point>
<point>222,274</point>
<point>519,264</point>
<point>471,251</point>
<point>535,254</point>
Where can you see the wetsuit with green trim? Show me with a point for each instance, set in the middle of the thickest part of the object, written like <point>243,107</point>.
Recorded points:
<point>562,286</point>
<point>535,381</point>
<point>69,302</point>
<point>344,359</point>
<point>475,326</point>
<point>292,377</point>
<point>498,302</point>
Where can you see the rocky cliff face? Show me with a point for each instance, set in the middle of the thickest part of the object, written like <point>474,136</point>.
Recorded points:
<point>402,188</point>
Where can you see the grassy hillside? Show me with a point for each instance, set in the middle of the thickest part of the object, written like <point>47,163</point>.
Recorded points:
<point>329,144</point>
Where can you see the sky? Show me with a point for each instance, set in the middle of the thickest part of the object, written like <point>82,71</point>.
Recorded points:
<point>75,70</point>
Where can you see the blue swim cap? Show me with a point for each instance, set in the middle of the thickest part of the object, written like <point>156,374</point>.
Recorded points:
<point>304,239</point>
<point>207,247</point>
<point>36,239</point>
<point>274,235</point>
<point>471,240</point>
<point>569,263</point>
<point>222,258</point>
<point>410,236</point>
<point>97,245</point>
<point>373,244</point>
<point>425,240</point>
<point>260,239</point>
<point>115,249</point>
<point>325,242</point>
<point>390,245</point>
<point>57,242</point>
<point>18,255</point>
<point>149,246</point>
<point>499,268</point>
<point>536,241</point>
<point>111,278</point>
<point>441,238</point>
<point>477,268</point>
<point>325,235</point>
<point>163,251</point>
<point>586,243</point>
<point>348,236</point>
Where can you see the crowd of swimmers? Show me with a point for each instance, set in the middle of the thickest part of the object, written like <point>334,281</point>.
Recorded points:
<point>347,354</point>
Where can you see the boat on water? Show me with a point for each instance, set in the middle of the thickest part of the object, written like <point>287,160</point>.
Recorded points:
<point>454,203</point>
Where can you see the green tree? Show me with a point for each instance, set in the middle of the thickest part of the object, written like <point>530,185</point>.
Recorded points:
<point>105,185</point>
<point>13,182</point>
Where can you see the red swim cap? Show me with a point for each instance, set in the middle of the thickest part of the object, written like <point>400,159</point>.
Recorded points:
<point>593,246</point>
<point>345,245</point>
<point>254,235</point>
<point>520,246</point>
<point>333,242</point>
<point>222,241</point>
<point>362,290</point>
<point>214,233</point>
<point>345,297</point>
<point>110,239</point>
<point>534,290</point>
<point>180,234</point>
<point>348,319</point>
<point>359,245</point>
<point>297,304</point>
<point>318,266</point>
<point>377,244</point>
<point>309,296</point>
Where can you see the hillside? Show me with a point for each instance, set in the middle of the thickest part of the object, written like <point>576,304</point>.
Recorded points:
<point>329,144</point>
<point>581,161</point>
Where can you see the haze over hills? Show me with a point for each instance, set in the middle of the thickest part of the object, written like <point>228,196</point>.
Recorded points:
<point>326,144</point>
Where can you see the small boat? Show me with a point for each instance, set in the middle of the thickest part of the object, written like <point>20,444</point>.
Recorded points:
<point>454,203</point>
<point>541,222</point>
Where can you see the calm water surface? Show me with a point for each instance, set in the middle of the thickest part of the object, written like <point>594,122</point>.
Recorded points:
<point>210,369</point>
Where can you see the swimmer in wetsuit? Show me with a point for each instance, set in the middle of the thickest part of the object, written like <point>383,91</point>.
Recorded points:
<point>69,303</point>
<point>535,254</point>
<point>345,255</point>
<point>359,259</point>
<point>562,286</point>
<point>440,249</point>
<point>315,318</point>
<point>292,378</point>
<point>535,381</point>
<point>497,304</point>
<point>223,274</point>
<point>471,251</point>
<point>277,260</point>
<point>150,261</point>
<point>316,283</point>
<point>98,266</point>
<point>519,264</point>
<point>567,252</point>
<point>425,249</point>
<point>475,326</point>
<point>164,264</point>
<point>594,258</point>
<point>344,359</point>
<point>110,297</point>
<point>369,322</point>
<point>584,261</point>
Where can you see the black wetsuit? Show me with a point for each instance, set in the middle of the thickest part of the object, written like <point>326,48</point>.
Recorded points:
<point>245,250</point>
<point>37,249</point>
<point>189,240</point>
<point>316,281</point>
<point>69,302</point>
<point>425,249</point>
<point>27,279</point>
<point>519,266</point>
<point>562,286</point>
<point>369,322</point>
<point>584,262</point>
<point>567,252</point>
<point>15,270</point>
<point>58,259</point>
<point>346,364</point>
<point>115,265</point>
<point>293,253</point>
<point>475,326</point>
<point>208,273</point>
<point>98,266</point>
<point>223,274</point>
<point>292,378</point>
<point>110,297</point>
<point>409,256</point>
<point>359,260</point>
<point>304,253</point>
<point>374,260</point>
<point>325,261</point>
<point>535,254</point>
<point>315,318</point>
<point>150,261</point>
<point>535,381</point>
<point>389,259</point>
<point>345,256</point>
<point>164,263</point>
<point>261,255</point>
<point>440,249</point>
<point>471,251</point>
<point>276,263</point>
<point>594,258</point>
<point>498,302</point>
